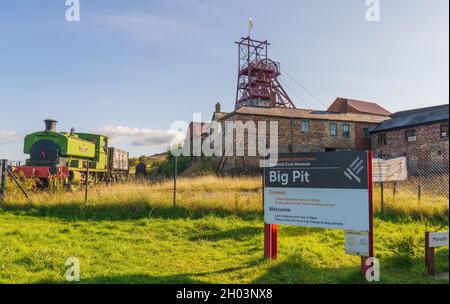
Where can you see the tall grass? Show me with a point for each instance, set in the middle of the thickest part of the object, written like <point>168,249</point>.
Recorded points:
<point>417,197</point>
<point>206,192</point>
<point>233,194</point>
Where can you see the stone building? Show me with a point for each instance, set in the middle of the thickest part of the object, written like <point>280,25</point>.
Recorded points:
<point>420,134</point>
<point>344,126</point>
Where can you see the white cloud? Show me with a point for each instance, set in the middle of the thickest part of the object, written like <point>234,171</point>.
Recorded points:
<point>141,136</point>
<point>8,136</point>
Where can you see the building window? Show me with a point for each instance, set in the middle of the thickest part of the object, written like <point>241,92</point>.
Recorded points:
<point>382,140</point>
<point>306,127</point>
<point>366,133</point>
<point>346,130</point>
<point>444,131</point>
<point>411,135</point>
<point>333,129</point>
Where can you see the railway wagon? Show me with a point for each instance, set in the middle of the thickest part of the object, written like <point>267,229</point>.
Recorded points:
<point>70,156</point>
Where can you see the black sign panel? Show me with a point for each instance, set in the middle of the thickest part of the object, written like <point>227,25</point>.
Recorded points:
<point>335,170</point>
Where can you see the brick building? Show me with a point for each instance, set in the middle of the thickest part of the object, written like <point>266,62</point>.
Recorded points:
<point>420,134</point>
<point>344,126</point>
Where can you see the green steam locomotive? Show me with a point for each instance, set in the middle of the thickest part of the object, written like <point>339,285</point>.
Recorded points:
<point>72,156</point>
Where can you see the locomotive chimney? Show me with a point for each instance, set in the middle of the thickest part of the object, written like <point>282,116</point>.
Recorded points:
<point>218,107</point>
<point>50,125</point>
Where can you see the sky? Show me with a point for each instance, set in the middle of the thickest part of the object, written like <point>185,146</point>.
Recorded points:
<point>130,68</point>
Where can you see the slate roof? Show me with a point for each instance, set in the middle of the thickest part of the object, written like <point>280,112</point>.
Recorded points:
<point>308,114</point>
<point>414,117</point>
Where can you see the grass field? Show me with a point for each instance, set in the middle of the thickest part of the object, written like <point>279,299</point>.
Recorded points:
<point>231,194</point>
<point>132,234</point>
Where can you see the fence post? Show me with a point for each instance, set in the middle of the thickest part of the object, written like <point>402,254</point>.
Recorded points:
<point>382,198</point>
<point>429,255</point>
<point>419,193</point>
<point>175,173</point>
<point>86,181</point>
<point>394,190</point>
<point>382,191</point>
<point>3,165</point>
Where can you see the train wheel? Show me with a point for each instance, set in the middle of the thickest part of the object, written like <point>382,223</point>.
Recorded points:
<point>73,187</point>
<point>43,183</point>
<point>74,181</point>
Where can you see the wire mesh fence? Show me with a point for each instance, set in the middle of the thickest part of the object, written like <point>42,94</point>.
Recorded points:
<point>197,184</point>
<point>425,192</point>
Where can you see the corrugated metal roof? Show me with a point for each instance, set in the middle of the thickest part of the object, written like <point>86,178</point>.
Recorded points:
<point>414,117</point>
<point>308,114</point>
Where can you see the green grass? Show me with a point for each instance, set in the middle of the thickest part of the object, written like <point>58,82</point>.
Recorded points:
<point>130,233</point>
<point>141,243</point>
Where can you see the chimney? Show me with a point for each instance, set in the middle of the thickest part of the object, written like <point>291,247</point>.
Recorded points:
<point>50,125</point>
<point>218,107</point>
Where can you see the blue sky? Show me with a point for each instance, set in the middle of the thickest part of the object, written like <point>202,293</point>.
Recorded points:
<point>141,64</point>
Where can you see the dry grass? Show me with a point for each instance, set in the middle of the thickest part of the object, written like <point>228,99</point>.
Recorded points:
<point>416,197</point>
<point>207,192</point>
<point>234,194</point>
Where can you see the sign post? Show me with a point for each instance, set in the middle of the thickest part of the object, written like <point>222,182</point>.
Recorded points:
<point>331,190</point>
<point>270,234</point>
<point>270,241</point>
<point>433,240</point>
<point>364,266</point>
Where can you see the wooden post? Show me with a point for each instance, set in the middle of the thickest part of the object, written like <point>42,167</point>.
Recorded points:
<point>419,193</point>
<point>394,191</point>
<point>382,199</point>
<point>86,180</point>
<point>429,255</point>
<point>3,165</point>
<point>175,173</point>
<point>381,191</point>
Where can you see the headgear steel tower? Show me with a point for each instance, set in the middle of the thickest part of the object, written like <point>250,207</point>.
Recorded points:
<point>258,85</point>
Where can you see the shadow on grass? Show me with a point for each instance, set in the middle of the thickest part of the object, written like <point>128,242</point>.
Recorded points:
<point>297,270</point>
<point>238,234</point>
<point>133,279</point>
<point>182,278</point>
<point>400,269</point>
<point>294,269</point>
<point>119,212</point>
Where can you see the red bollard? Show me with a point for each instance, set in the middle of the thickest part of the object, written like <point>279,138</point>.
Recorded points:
<point>270,241</point>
